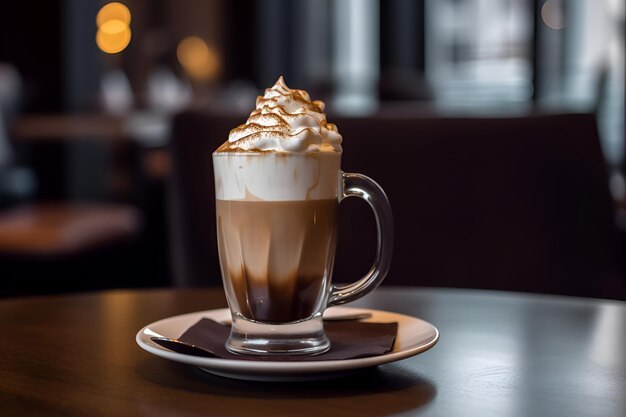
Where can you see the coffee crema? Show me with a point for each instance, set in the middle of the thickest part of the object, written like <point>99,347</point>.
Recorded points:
<point>276,256</point>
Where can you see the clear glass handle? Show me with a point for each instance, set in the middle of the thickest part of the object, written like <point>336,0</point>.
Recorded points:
<point>357,185</point>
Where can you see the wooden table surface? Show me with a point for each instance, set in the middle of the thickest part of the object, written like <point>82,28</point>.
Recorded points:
<point>500,354</point>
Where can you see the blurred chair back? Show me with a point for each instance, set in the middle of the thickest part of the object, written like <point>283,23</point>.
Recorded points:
<point>507,203</point>
<point>504,203</point>
<point>191,197</point>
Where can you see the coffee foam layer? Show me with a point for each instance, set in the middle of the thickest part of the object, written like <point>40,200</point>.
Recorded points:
<point>276,177</point>
<point>285,120</point>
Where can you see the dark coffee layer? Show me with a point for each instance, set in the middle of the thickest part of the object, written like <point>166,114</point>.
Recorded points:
<point>276,256</point>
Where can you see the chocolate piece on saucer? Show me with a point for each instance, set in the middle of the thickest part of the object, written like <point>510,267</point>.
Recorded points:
<point>349,340</point>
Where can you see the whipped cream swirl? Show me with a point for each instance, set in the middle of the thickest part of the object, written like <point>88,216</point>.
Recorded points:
<point>285,120</point>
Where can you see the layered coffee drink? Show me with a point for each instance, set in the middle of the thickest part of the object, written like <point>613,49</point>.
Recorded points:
<point>278,255</point>
<point>277,180</point>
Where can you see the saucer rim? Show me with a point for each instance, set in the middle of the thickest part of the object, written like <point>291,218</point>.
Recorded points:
<point>234,367</point>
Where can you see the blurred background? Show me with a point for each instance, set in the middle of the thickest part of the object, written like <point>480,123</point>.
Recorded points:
<point>507,117</point>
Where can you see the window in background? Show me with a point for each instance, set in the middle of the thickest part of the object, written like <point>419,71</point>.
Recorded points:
<point>580,54</point>
<point>356,55</point>
<point>478,52</point>
<point>594,67</point>
<point>507,55</point>
<point>323,46</point>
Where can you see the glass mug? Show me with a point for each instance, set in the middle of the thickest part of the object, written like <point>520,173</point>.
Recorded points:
<point>277,233</point>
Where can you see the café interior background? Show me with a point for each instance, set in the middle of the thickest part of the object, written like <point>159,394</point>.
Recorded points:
<point>88,92</point>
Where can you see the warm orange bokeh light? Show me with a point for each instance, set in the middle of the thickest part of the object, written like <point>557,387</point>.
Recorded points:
<point>113,27</point>
<point>201,62</point>
<point>112,43</point>
<point>113,11</point>
<point>113,34</point>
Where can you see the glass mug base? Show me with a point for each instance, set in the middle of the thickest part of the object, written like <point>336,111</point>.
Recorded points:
<point>298,338</point>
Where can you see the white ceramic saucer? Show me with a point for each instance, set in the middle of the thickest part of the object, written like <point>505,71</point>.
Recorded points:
<point>414,336</point>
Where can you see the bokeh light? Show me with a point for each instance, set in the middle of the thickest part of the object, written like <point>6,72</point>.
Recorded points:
<point>114,33</point>
<point>200,62</point>
<point>112,43</point>
<point>552,14</point>
<point>113,11</point>
<point>113,26</point>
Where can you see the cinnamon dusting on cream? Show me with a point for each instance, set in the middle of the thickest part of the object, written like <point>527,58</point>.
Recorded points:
<point>285,120</point>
